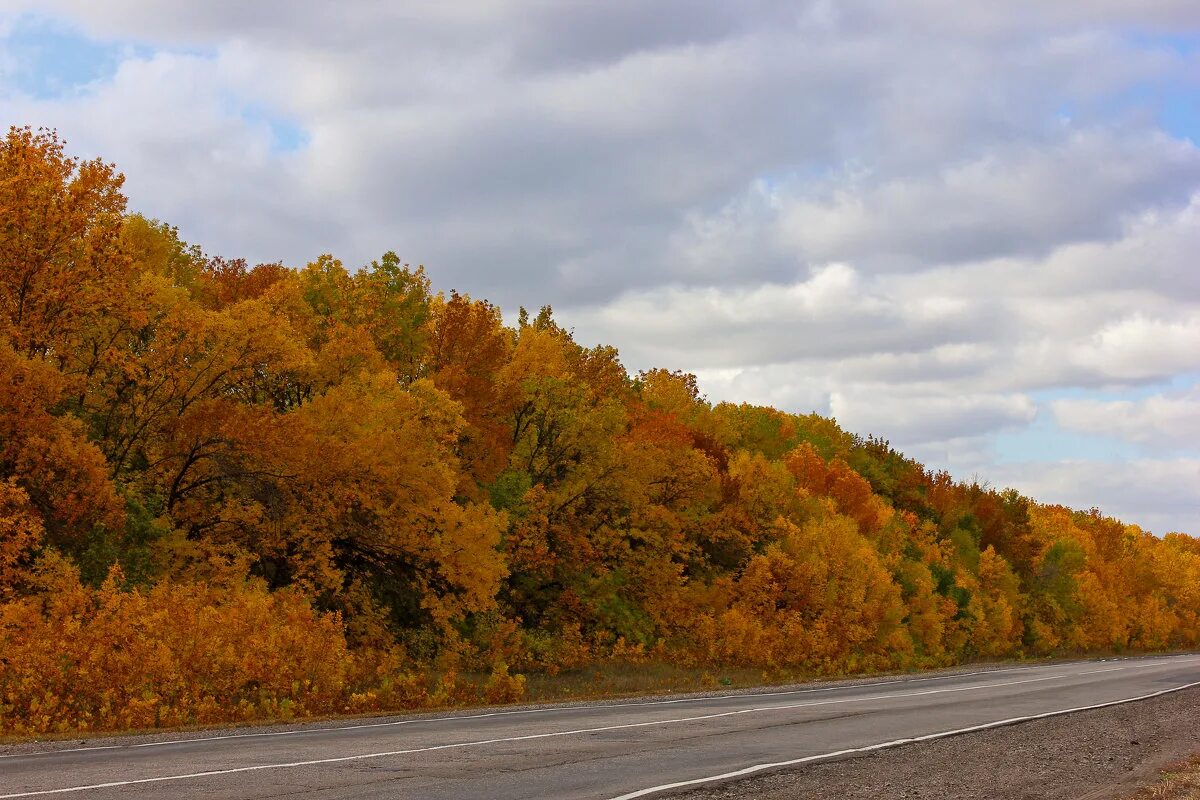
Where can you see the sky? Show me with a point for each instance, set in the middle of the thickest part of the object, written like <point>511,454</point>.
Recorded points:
<point>967,227</point>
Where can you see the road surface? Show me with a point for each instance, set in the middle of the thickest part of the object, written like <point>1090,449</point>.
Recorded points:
<point>602,750</point>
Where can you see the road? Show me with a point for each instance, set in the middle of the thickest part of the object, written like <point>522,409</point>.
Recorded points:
<point>599,750</point>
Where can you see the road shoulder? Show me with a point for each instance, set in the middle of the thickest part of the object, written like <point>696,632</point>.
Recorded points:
<point>1092,755</point>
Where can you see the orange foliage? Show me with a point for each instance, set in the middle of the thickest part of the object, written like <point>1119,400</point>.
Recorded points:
<point>333,490</point>
<point>84,659</point>
<point>20,534</point>
<point>60,270</point>
<point>837,480</point>
<point>468,346</point>
<point>64,476</point>
<point>821,599</point>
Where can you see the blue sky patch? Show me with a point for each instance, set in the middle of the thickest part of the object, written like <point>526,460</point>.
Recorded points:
<point>286,135</point>
<point>1044,440</point>
<point>48,59</point>
<point>1179,113</point>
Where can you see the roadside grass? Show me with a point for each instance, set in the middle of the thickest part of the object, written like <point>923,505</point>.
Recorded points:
<point>1179,782</point>
<point>624,679</point>
<point>605,680</point>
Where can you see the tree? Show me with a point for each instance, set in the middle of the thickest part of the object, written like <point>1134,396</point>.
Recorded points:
<point>60,242</point>
<point>45,454</point>
<point>391,301</point>
<point>20,535</point>
<point>468,346</point>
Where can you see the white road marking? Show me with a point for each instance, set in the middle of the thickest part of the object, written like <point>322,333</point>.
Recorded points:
<point>885,745</point>
<point>528,737</point>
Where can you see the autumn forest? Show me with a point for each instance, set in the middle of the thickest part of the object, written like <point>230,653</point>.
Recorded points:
<point>233,492</point>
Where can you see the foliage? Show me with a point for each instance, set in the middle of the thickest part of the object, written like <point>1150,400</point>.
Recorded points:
<point>230,492</point>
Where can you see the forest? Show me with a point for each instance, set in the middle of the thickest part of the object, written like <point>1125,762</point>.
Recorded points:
<point>233,492</point>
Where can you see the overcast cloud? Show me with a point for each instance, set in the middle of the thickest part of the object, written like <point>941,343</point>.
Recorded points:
<point>968,228</point>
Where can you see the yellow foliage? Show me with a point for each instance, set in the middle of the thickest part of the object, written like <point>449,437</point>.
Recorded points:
<point>20,532</point>
<point>96,659</point>
<point>334,491</point>
<point>503,688</point>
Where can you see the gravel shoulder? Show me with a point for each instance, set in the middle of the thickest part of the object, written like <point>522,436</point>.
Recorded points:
<point>1092,755</point>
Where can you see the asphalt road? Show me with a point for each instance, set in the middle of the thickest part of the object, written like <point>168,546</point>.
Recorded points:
<point>603,750</point>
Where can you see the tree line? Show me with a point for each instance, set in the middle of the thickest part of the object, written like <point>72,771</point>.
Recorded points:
<point>233,492</point>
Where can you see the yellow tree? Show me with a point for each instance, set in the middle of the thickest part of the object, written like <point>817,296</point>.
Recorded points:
<point>355,493</point>
<point>391,301</point>
<point>836,479</point>
<point>996,606</point>
<point>821,598</point>
<point>60,242</point>
<point>468,346</point>
<point>47,455</point>
<point>566,471</point>
<point>20,535</point>
<point>183,355</point>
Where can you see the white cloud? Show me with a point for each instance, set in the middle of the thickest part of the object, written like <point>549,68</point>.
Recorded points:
<point>1158,494</point>
<point>573,150</point>
<point>832,314</point>
<point>1160,421</point>
<point>1140,348</point>
<point>914,418</point>
<point>914,216</point>
<point>1016,200</point>
<point>189,154</point>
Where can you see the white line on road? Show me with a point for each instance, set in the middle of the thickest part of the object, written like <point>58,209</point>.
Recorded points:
<point>885,745</point>
<point>528,737</point>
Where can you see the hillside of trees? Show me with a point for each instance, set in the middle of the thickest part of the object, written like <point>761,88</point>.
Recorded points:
<point>232,492</point>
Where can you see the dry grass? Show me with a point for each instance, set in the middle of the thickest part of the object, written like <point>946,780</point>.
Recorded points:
<point>1179,782</point>
<point>617,680</point>
<point>595,682</point>
<point>612,679</point>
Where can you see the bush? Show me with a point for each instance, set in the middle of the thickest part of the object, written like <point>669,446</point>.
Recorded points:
<point>78,658</point>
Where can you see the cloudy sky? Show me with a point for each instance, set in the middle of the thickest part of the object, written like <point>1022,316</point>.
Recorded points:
<point>969,227</point>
